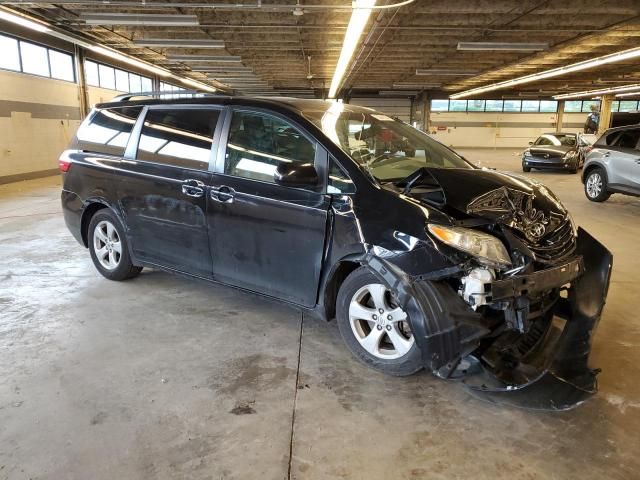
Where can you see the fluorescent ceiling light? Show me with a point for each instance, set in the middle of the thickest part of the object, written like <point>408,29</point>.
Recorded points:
<point>444,71</point>
<point>161,20</point>
<point>198,85</point>
<point>503,46</point>
<point>630,94</point>
<point>204,58</point>
<point>177,43</point>
<point>23,22</point>
<point>554,72</point>
<point>601,91</point>
<point>359,18</point>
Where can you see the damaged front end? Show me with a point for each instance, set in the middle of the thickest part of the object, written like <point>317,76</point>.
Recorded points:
<point>520,336</point>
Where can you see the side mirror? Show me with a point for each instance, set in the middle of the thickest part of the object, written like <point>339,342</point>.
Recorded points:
<point>530,143</point>
<point>292,174</point>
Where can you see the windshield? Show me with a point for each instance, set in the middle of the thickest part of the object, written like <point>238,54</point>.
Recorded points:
<point>557,140</point>
<point>386,148</point>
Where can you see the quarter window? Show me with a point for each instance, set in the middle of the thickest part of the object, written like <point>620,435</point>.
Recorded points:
<point>258,143</point>
<point>178,137</point>
<point>108,130</point>
<point>339,181</point>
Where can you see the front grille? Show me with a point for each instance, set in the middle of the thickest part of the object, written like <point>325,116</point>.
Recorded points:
<point>556,245</point>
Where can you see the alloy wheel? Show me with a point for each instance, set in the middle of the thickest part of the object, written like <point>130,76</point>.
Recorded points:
<point>107,245</point>
<point>594,185</point>
<point>380,326</point>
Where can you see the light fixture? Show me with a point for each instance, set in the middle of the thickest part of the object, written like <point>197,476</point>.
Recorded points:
<point>23,22</point>
<point>219,69</point>
<point>177,43</point>
<point>444,71</point>
<point>503,46</point>
<point>601,91</point>
<point>204,58</point>
<point>629,94</point>
<point>159,20</point>
<point>359,18</point>
<point>198,85</point>
<point>554,72</point>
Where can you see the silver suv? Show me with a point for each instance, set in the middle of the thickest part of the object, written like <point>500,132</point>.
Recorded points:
<point>613,164</point>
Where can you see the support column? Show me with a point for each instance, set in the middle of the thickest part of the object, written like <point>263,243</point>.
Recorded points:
<point>605,113</point>
<point>560,116</point>
<point>83,95</point>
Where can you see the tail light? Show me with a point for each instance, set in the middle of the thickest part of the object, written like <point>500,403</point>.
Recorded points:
<point>64,162</point>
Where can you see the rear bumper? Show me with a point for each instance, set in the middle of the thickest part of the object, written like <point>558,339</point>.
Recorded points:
<point>72,208</point>
<point>555,373</point>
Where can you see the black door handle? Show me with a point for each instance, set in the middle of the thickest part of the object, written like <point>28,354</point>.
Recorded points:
<point>222,194</point>
<point>193,188</point>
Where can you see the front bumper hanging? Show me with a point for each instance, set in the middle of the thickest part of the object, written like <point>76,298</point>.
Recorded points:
<point>555,375</point>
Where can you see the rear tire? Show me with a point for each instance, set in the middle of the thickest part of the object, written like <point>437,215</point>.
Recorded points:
<point>375,329</point>
<point>108,247</point>
<point>595,185</point>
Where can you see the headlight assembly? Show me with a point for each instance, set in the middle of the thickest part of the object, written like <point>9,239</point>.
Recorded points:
<point>527,153</point>
<point>486,248</point>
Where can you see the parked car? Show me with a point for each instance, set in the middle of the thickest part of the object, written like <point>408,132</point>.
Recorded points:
<point>558,151</point>
<point>613,164</point>
<point>425,260</point>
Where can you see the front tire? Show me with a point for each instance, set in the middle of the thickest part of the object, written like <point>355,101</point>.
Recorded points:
<point>108,247</point>
<point>526,169</point>
<point>374,328</point>
<point>595,185</point>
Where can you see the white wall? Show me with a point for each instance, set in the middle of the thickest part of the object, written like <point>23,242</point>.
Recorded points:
<point>38,117</point>
<point>498,130</point>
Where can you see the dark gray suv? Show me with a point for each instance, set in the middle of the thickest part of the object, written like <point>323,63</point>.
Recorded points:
<point>613,164</point>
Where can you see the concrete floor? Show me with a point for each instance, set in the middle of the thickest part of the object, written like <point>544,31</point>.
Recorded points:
<point>168,378</point>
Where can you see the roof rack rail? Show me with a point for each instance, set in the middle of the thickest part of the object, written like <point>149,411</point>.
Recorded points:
<point>160,93</point>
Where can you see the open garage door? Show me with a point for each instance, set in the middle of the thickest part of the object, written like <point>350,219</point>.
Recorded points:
<point>393,106</point>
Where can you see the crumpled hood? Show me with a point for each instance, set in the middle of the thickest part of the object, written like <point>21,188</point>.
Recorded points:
<point>505,198</point>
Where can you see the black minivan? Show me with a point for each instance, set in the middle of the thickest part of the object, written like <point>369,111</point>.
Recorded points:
<point>425,260</point>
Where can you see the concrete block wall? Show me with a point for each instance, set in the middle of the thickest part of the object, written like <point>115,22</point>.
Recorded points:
<point>38,117</point>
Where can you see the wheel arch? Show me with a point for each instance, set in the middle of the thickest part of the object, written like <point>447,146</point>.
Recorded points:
<point>339,273</point>
<point>591,167</point>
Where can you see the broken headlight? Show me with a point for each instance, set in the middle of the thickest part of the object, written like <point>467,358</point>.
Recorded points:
<point>486,248</point>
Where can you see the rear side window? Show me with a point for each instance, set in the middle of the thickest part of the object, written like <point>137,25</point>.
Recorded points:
<point>627,139</point>
<point>178,137</point>
<point>108,130</point>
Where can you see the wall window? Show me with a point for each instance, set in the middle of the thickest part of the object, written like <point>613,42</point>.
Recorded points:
<point>512,105</point>
<point>258,143</point>
<point>572,106</point>
<point>586,105</point>
<point>106,76</point>
<point>21,56</point>
<point>475,106</point>
<point>627,106</point>
<point>439,105</point>
<point>181,138</point>
<point>10,58</point>
<point>457,105</point>
<point>550,106</point>
<point>496,106</point>
<point>108,130</point>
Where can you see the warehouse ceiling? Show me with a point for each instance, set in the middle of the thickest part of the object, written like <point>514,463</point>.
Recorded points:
<point>294,45</point>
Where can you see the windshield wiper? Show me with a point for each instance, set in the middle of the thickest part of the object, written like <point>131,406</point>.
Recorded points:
<point>410,180</point>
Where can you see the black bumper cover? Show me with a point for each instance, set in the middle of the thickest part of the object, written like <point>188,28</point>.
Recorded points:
<point>553,376</point>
